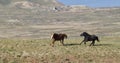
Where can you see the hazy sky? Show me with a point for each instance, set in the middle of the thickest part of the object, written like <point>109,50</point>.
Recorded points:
<point>92,3</point>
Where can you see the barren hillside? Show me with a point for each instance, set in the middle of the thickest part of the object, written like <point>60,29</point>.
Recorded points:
<point>40,18</point>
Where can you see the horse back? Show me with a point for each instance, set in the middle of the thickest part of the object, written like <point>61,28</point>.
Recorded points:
<point>58,36</point>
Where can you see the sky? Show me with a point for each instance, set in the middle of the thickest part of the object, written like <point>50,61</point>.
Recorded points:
<point>92,3</point>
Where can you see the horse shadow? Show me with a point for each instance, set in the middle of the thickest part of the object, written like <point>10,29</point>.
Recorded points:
<point>103,45</point>
<point>72,44</point>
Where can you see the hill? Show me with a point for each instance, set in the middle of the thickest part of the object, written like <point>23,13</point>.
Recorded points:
<point>40,18</point>
<point>27,26</point>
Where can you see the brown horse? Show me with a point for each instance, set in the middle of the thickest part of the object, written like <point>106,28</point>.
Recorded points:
<point>58,37</point>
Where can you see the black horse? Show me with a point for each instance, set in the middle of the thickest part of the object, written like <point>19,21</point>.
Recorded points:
<point>58,37</point>
<point>88,37</point>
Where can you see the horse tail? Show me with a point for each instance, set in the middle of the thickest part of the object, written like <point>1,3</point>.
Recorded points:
<point>65,36</point>
<point>97,39</point>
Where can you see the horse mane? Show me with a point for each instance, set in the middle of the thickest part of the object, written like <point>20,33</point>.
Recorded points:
<point>53,35</point>
<point>86,33</point>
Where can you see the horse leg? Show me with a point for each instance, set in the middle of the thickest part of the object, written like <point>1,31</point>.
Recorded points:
<point>62,41</point>
<point>81,42</point>
<point>85,43</point>
<point>93,43</point>
<point>53,43</point>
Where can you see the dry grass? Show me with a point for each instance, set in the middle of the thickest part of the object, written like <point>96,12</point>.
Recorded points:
<point>17,23</point>
<point>40,51</point>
